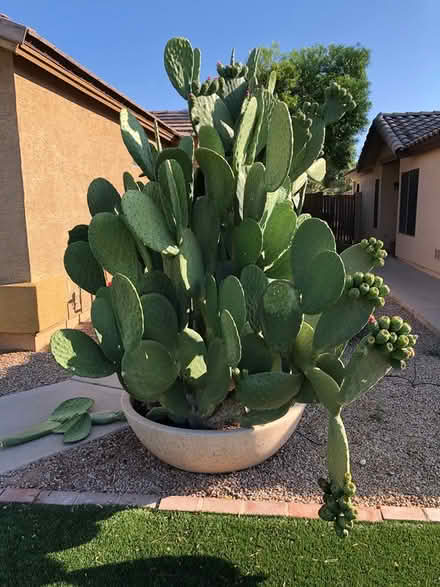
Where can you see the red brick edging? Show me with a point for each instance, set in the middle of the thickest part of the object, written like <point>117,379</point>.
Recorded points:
<point>211,505</point>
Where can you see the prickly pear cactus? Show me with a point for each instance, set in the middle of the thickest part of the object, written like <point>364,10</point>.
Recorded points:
<point>227,305</point>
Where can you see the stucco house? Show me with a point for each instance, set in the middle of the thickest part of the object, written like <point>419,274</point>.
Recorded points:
<point>59,129</point>
<point>398,174</point>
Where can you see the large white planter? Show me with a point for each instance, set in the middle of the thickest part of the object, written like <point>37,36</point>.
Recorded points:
<point>212,451</point>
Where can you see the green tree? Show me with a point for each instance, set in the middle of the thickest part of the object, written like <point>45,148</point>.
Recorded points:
<point>303,75</point>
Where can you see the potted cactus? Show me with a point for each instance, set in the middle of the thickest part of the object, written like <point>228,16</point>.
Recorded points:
<point>228,307</point>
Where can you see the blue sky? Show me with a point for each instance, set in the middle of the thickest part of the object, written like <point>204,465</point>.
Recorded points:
<point>123,42</point>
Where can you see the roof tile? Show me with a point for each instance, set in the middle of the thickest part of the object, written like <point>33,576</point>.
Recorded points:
<point>179,120</point>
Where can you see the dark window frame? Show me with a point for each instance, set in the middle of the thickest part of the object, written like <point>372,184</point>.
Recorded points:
<point>409,187</point>
<point>376,203</point>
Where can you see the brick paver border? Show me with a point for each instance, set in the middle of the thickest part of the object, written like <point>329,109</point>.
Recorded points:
<point>239,507</point>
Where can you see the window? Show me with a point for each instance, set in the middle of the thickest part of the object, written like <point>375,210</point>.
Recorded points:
<point>376,203</point>
<point>408,202</point>
<point>358,187</point>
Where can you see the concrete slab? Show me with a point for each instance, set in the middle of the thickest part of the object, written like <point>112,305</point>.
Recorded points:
<point>415,290</point>
<point>27,408</point>
<point>110,381</point>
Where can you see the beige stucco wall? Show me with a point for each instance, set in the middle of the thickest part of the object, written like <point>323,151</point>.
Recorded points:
<point>14,260</point>
<point>58,140</point>
<point>419,249</point>
<point>66,142</point>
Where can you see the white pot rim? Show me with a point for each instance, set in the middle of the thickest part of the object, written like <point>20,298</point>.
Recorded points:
<point>176,431</point>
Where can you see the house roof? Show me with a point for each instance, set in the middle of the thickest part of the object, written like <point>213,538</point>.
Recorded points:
<point>177,119</point>
<point>27,44</point>
<point>401,132</point>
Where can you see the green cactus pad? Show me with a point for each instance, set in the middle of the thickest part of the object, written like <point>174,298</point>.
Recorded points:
<point>261,417</point>
<point>231,297</point>
<point>254,283</point>
<point>338,453</point>
<point>341,322</point>
<point>160,320</point>
<point>306,156</point>
<point>312,237</point>
<point>79,429</point>
<point>323,284</point>
<point>363,371</point>
<point>317,170</point>
<point>136,141</point>
<point>179,64</point>
<point>158,282</point>
<point>196,64</point>
<point>247,243</point>
<point>244,133</point>
<point>113,246</point>
<point>281,268</point>
<point>219,178</point>
<point>128,311</point>
<point>191,352</point>
<point>104,323</point>
<point>173,187</point>
<point>212,111</point>
<point>338,101</point>
<point>206,227</point>
<point>266,391</point>
<point>255,192</point>
<point>255,355</point>
<point>103,197</point>
<point>231,338</point>
<point>80,232</point>
<point>279,231</point>
<point>356,258</point>
<point>148,370</point>
<point>107,417</point>
<point>70,408</point>
<point>331,365</point>
<point>190,261</point>
<point>306,394</point>
<point>234,93</point>
<point>175,401</point>
<point>210,307</point>
<point>79,354</point>
<point>186,144</point>
<point>210,139</point>
<point>179,156</point>
<point>217,382</point>
<point>279,147</point>
<point>148,222</point>
<point>326,389</point>
<point>129,182</point>
<point>280,315</point>
<point>82,267</point>
<point>302,350</point>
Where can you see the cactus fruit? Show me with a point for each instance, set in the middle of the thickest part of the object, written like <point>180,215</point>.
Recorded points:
<point>225,302</point>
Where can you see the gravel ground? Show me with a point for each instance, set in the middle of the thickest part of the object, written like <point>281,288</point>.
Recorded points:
<point>394,436</point>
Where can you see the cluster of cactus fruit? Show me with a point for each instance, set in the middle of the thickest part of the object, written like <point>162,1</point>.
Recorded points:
<point>227,304</point>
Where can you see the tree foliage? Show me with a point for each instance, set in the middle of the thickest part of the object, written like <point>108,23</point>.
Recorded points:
<point>303,75</point>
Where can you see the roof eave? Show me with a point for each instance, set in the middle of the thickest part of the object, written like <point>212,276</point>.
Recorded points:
<point>26,43</point>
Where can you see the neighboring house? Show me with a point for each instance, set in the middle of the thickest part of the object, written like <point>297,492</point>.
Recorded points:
<point>59,129</point>
<point>398,174</point>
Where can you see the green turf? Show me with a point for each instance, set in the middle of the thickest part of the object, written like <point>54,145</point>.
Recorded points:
<point>52,545</point>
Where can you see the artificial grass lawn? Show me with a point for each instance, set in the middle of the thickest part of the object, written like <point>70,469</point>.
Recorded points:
<point>88,545</point>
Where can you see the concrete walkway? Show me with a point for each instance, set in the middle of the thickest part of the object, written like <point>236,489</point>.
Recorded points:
<point>27,408</point>
<point>415,290</point>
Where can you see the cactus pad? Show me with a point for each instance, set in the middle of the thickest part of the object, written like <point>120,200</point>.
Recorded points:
<point>280,315</point>
<point>179,64</point>
<point>160,320</point>
<point>136,141</point>
<point>128,311</point>
<point>103,197</point>
<point>266,391</point>
<point>148,370</point>
<point>82,267</point>
<point>279,147</point>
<point>79,354</point>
